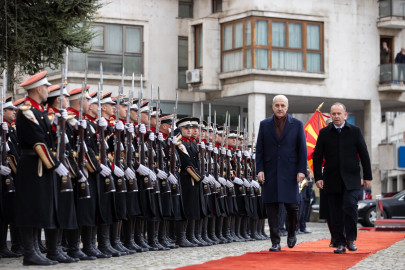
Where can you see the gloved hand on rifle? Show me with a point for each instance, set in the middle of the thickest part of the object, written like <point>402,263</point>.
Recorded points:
<point>143,170</point>
<point>210,147</point>
<point>202,144</point>
<point>228,153</point>
<point>246,183</point>
<point>129,128</point>
<point>4,170</point>
<point>222,180</point>
<point>160,137</point>
<point>216,151</point>
<point>4,126</point>
<point>63,114</point>
<point>173,139</point>
<point>102,123</point>
<point>172,179</point>
<point>255,184</point>
<point>229,184</point>
<point>206,180</point>
<point>152,176</point>
<point>246,154</point>
<point>212,179</point>
<point>254,156</point>
<point>118,171</point>
<point>239,154</point>
<point>152,136</point>
<point>238,181</point>
<point>119,126</point>
<point>217,185</point>
<point>81,123</point>
<point>81,179</point>
<point>161,174</point>
<point>142,129</point>
<point>105,171</point>
<point>61,170</point>
<point>129,174</point>
<point>223,151</point>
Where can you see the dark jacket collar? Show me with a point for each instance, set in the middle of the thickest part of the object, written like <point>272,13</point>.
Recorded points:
<point>331,125</point>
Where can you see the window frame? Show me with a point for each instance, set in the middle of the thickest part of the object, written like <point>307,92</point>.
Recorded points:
<point>179,68</point>
<point>270,46</point>
<point>188,4</point>
<point>197,28</point>
<point>124,49</point>
<point>214,10</point>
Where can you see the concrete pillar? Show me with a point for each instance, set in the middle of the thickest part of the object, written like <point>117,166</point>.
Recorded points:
<point>372,122</point>
<point>390,187</point>
<point>400,182</point>
<point>256,110</point>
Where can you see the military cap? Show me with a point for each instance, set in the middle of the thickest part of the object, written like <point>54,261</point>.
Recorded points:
<point>154,111</point>
<point>8,104</point>
<point>232,134</point>
<point>145,107</point>
<point>184,122</point>
<point>194,121</point>
<point>204,125</point>
<point>19,103</point>
<point>93,98</point>
<point>77,93</point>
<point>35,81</point>
<point>168,119</point>
<point>54,91</point>
<point>107,99</point>
<point>220,130</point>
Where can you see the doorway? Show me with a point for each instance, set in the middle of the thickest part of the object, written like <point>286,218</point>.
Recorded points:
<point>390,44</point>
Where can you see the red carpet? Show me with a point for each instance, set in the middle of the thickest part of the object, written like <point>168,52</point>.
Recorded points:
<point>309,255</point>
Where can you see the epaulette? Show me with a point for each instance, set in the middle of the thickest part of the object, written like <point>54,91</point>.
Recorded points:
<point>179,137</point>
<point>71,116</point>
<point>183,149</point>
<point>51,116</point>
<point>25,107</point>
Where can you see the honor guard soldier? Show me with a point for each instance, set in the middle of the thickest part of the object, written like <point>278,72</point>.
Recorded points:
<point>36,193</point>
<point>7,215</point>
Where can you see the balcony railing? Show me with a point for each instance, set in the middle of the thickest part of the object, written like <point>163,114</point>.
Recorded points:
<point>392,8</point>
<point>392,73</point>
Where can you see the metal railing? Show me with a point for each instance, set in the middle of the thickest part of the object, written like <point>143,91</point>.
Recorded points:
<point>392,73</point>
<point>392,8</point>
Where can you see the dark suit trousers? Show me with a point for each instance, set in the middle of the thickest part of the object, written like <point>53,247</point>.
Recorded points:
<point>272,213</point>
<point>344,213</point>
<point>304,208</point>
<point>281,217</point>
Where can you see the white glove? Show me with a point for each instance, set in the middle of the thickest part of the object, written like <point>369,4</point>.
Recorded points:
<point>152,136</point>
<point>64,114</point>
<point>82,179</point>
<point>254,156</point>
<point>172,140</point>
<point>105,170</point>
<point>212,179</point>
<point>161,174</point>
<point>119,126</point>
<point>202,145</point>
<point>152,176</point>
<point>7,147</point>
<point>222,180</point>
<point>160,137</point>
<point>82,123</point>
<point>118,171</point>
<point>130,174</point>
<point>206,180</point>
<point>229,184</point>
<point>4,126</point>
<point>210,147</point>
<point>216,151</point>
<point>5,170</point>
<point>246,183</point>
<point>172,179</point>
<point>250,151</point>
<point>228,153</point>
<point>223,151</point>
<point>239,154</point>
<point>61,170</point>
<point>103,123</point>
<point>142,129</point>
<point>255,184</point>
<point>217,185</point>
<point>238,181</point>
<point>129,128</point>
<point>246,153</point>
<point>55,119</point>
<point>143,170</point>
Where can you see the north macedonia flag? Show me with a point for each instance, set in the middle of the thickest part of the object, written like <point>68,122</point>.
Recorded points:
<point>312,128</point>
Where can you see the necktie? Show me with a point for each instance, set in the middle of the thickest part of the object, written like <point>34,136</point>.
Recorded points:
<point>339,130</point>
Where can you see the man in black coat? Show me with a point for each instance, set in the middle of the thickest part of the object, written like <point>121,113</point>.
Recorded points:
<point>341,145</point>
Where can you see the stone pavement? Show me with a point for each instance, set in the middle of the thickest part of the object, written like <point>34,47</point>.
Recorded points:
<point>391,258</point>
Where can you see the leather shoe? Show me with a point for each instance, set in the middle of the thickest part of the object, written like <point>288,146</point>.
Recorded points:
<point>351,246</point>
<point>283,233</point>
<point>275,248</point>
<point>340,250</point>
<point>291,241</point>
<point>305,231</point>
<point>332,243</point>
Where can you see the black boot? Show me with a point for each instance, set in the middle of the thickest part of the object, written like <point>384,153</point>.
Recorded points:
<point>171,229</point>
<point>104,244</point>
<point>128,237</point>
<point>36,245</point>
<point>64,242</point>
<point>59,245</point>
<point>74,251</point>
<point>88,248</point>
<point>155,237</point>
<point>181,239</point>
<point>253,229</point>
<point>232,229</point>
<point>238,222</point>
<point>4,251</point>
<point>263,229</point>
<point>243,229</point>
<point>218,230</point>
<point>211,230</point>
<point>139,236</point>
<point>226,231</point>
<point>190,233</point>
<point>162,237</point>
<point>31,256</point>
<point>42,248</point>
<point>16,244</point>
<point>150,230</point>
<point>52,244</point>
<point>198,232</point>
<point>116,241</point>
<point>204,232</point>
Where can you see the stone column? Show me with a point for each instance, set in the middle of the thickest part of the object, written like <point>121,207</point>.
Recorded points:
<point>400,182</point>
<point>390,186</point>
<point>256,110</point>
<point>372,123</point>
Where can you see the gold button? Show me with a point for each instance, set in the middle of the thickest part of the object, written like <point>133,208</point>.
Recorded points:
<point>88,131</point>
<point>11,130</point>
<point>89,137</point>
<point>50,149</point>
<point>47,132</point>
<point>71,136</point>
<point>18,144</point>
<point>42,117</point>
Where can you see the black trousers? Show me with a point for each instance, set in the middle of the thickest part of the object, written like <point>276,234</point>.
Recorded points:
<point>304,209</point>
<point>344,214</point>
<point>272,213</point>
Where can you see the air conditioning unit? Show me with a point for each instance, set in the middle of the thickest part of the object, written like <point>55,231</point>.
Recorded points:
<point>193,76</point>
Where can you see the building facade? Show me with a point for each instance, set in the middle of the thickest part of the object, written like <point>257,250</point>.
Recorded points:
<point>246,52</point>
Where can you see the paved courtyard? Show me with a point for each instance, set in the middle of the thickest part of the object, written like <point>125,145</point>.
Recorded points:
<point>391,258</point>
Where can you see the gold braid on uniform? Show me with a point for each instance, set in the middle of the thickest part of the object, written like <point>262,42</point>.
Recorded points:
<point>43,153</point>
<point>195,175</point>
<point>12,162</point>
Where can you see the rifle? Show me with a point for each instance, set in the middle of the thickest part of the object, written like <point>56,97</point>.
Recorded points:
<point>109,185</point>
<point>249,190</point>
<point>221,156</point>
<point>132,183</point>
<point>238,161</point>
<point>121,187</point>
<point>9,181</point>
<point>206,189</point>
<point>175,188</point>
<point>231,190</point>
<point>159,151</point>
<point>208,152</point>
<point>253,162</point>
<point>220,190</point>
<point>147,184</point>
<point>151,156</point>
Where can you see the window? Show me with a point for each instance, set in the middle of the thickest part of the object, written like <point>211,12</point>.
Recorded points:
<point>186,8</point>
<point>183,109</point>
<point>216,6</point>
<point>115,46</point>
<point>276,44</point>
<point>183,61</point>
<point>198,46</point>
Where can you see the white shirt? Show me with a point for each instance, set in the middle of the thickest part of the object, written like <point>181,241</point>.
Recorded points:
<point>340,126</point>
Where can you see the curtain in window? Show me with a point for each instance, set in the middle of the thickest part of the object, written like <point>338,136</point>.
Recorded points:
<point>286,60</point>
<point>262,33</point>
<point>278,34</point>
<point>238,35</point>
<point>182,79</point>
<point>111,63</point>
<point>183,53</point>
<point>228,37</point>
<point>232,61</point>
<point>114,40</point>
<point>200,47</point>
<point>314,62</point>
<point>313,37</point>
<point>295,35</point>
<point>248,55</point>
<point>262,58</point>
<point>248,33</point>
<point>133,40</point>
<point>133,64</point>
<point>98,42</point>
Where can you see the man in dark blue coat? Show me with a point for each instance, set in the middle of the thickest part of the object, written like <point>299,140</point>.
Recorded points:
<point>281,158</point>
